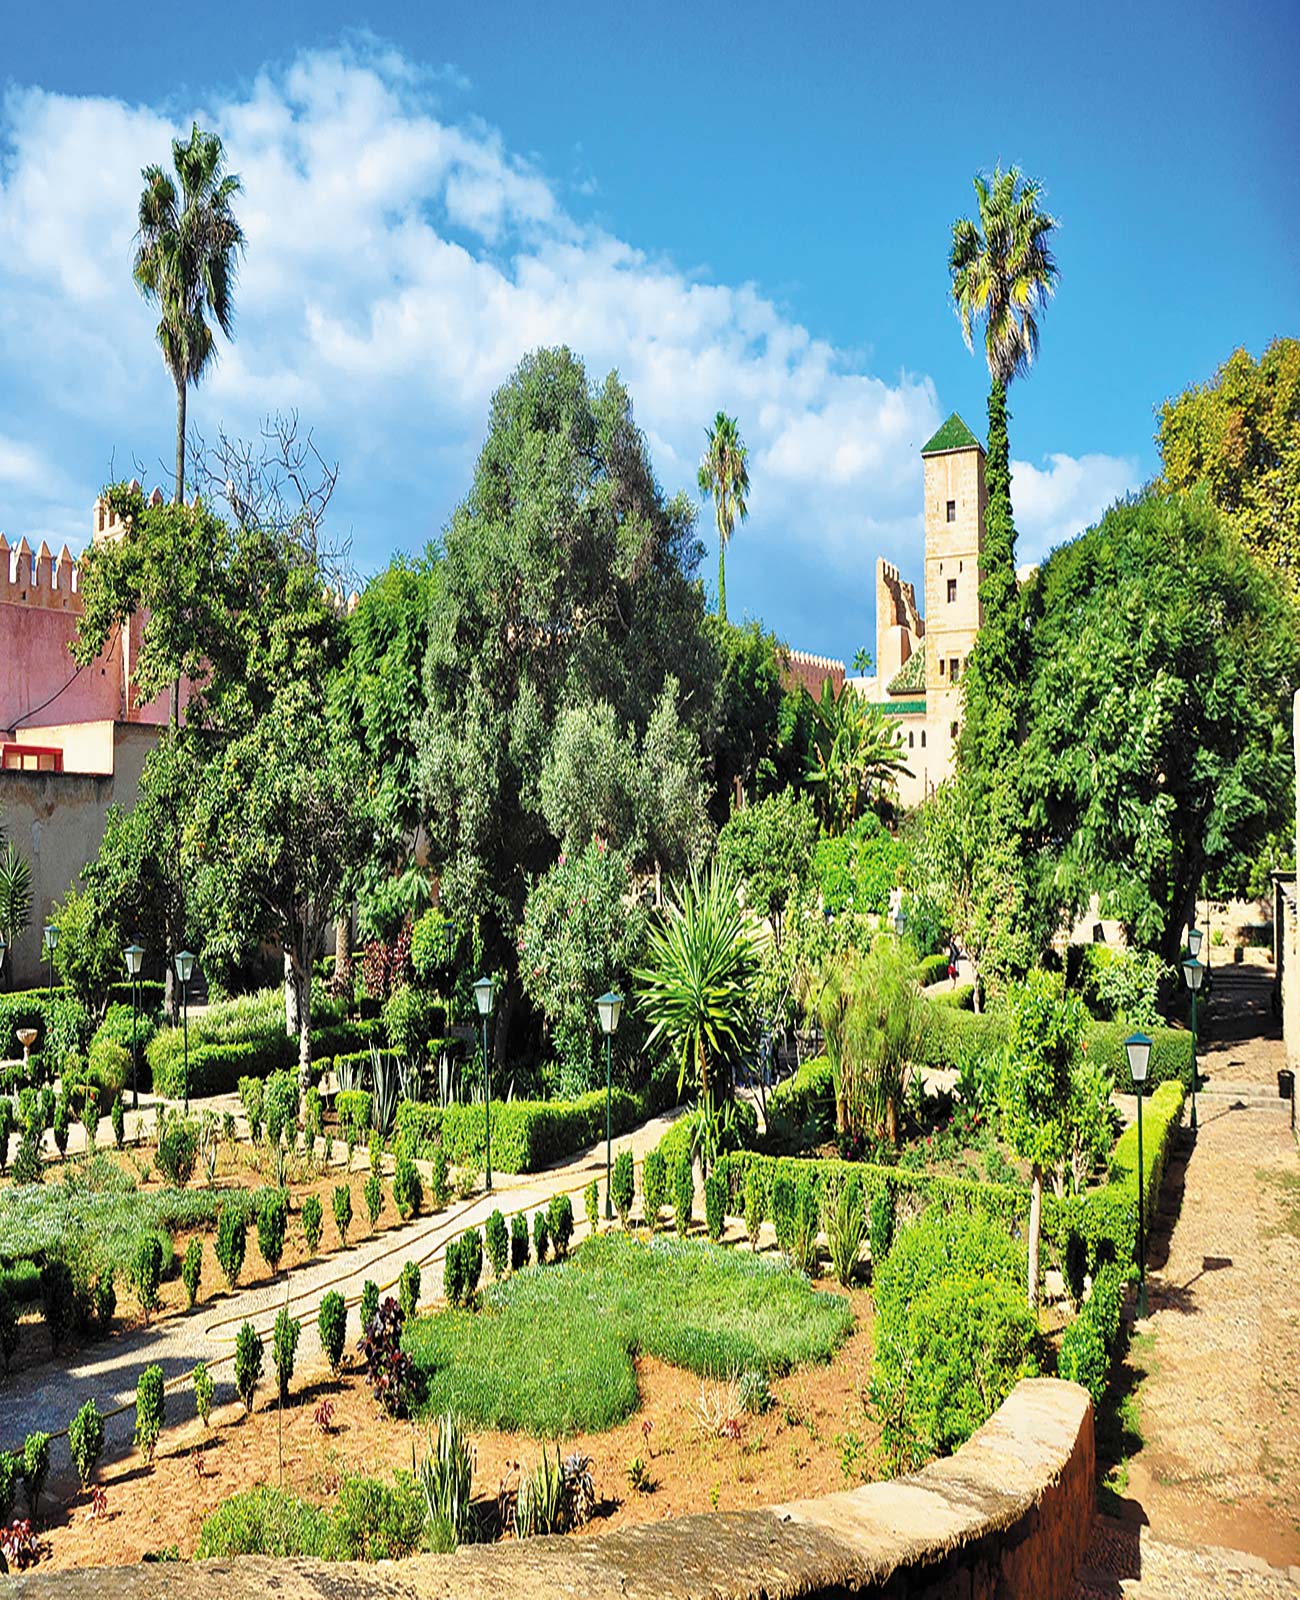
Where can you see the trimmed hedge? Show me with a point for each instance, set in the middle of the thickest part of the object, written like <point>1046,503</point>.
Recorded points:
<point>526,1134</point>
<point>806,1099</point>
<point>1105,1218</point>
<point>932,968</point>
<point>676,1142</point>
<point>344,1039</point>
<point>65,1022</point>
<point>955,1037</point>
<point>217,1068</point>
<point>353,1108</point>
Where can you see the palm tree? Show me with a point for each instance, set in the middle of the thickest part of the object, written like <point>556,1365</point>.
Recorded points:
<point>856,753</point>
<point>185,262</point>
<point>1003,274</point>
<point>15,894</point>
<point>724,474</point>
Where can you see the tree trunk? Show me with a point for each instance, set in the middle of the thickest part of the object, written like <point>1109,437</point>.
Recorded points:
<point>1035,1224</point>
<point>174,708</point>
<point>292,998</point>
<point>343,969</point>
<point>304,1050</point>
<point>722,576</point>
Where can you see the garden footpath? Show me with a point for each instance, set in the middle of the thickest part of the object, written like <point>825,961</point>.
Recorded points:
<point>47,1395</point>
<point>1211,1503</point>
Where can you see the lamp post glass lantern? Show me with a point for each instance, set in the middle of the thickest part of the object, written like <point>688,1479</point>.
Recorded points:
<point>483,999</point>
<point>1194,937</point>
<point>184,971</point>
<point>1193,976</point>
<point>609,1008</point>
<point>1138,1046</point>
<point>133,955</point>
<point>51,938</point>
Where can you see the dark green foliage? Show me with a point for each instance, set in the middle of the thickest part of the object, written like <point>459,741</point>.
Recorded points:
<point>105,1299</point>
<point>439,1182</point>
<point>408,1191</point>
<point>1088,1344</point>
<point>803,1233</point>
<point>342,1211</point>
<point>280,1106</point>
<point>453,1274</point>
<point>86,1440</point>
<point>369,1303</point>
<point>715,1203</point>
<point>683,1194</point>
<point>755,1202</point>
<point>272,1223</point>
<point>284,1347</point>
<point>150,1410</point>
<point>769,848</point>
<point>62,1122</point>
<point>528,1135</point>
<point>654,1186</point>
<point>312,1222</point>
<point>248,1363</point>
<point>783,1208</point>
<point>56,1300</point>
<point>408,1289</point>
<point>498,1244</point>
<point>6,1128</point>
<point>518,1242</point>
<point>1159,609</point>
<point>472,1246</point>
<point>192,1269</point>
<point>881,1229</point>
<point>27,1167</point>
<point>711,1311</point>
<point>623,1185</point>
<point>204,1391</point>
<point>267,1522</point>
<point>232,1235</point>
<point>118,1117</point>
<point>559,1216</point>
<point>373,1194</point>
<point>374,1521</point>
<point>541,1235</point>
<point>856,870</point>
<point>462,1268</point>
<point>34,1465</point>
<point>8,1334</point>
<point>8,1482</point>
<point>953,1335</point>
<point>332,1325</point>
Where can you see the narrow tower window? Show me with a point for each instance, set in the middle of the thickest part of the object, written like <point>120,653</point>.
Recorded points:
<point>952,590</point>
<point>952,511</point>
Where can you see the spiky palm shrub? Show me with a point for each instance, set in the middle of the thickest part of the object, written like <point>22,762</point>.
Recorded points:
<point>696,989</point>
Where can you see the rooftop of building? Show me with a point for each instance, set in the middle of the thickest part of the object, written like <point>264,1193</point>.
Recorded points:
<point>910,677</point>
<point>952,435</point>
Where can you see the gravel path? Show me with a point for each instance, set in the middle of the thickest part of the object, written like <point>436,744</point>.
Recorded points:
<point>1218,1382</point>
<point>46,1396</point>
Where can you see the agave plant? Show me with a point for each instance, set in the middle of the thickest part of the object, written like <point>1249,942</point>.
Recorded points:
<point>15,893</point>
<point>696,989</point>
<point>386,1089</point>
<point>347,1073</point>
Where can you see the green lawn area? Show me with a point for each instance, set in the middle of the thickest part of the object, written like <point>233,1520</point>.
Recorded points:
<point>551,1351</point>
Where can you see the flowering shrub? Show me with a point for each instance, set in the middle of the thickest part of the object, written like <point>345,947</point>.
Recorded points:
<point>386,964</point>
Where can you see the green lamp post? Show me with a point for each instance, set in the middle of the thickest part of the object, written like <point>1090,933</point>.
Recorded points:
<point>51,938</point>
<point>133,955</point>
<point>1138,1046</point>
<point>1193,976</point>
<point>185,971</point>
<point>609,1008</point>
<point>483,999</point>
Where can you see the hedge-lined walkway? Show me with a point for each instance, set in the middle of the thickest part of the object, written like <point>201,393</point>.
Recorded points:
<point>1217,1366</point>
<point>47,1396</point>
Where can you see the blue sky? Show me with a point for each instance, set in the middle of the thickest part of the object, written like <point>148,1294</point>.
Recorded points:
<point>744,208</point>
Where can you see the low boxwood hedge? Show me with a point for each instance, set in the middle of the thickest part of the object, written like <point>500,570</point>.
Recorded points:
<point>62,1022</point>
<point>527,1134</point>
<point>216,1068</point>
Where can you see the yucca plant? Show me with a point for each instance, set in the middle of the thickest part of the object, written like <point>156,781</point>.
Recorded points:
<point>696,989</point>
<point>386,1082</point>
<point>446,1477</point>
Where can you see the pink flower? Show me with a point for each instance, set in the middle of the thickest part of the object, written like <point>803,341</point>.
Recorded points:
<point>563,858</point>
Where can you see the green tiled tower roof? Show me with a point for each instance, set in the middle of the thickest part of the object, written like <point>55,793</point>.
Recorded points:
<point>911,675</point>
<point>953,435</point>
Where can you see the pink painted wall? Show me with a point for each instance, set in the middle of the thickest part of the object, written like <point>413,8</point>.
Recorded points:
<point>40,685</point>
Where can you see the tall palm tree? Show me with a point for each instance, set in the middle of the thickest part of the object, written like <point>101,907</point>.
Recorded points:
<point>724,474</point>
<point>185,261</point>
<point>1003,274</point>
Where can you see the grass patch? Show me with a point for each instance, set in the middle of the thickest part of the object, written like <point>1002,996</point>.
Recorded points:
<point>1288,1186</point>
<point>551,1352</point>
<point>1119,1422</point>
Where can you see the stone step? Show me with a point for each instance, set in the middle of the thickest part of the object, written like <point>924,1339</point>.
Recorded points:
<point>1124,1564</point>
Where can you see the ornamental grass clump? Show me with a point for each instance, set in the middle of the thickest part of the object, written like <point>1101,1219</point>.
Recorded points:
<point>844,1221</point>
<point>446,1479</point>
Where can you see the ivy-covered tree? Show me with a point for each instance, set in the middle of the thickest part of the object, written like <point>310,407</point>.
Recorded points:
<point>566,577</point>
<point>1163,660</point>
<point>1238,436</point>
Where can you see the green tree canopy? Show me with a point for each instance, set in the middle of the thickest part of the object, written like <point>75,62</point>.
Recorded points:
<point>567,577</point>
<point>1239,436</point>
<point>1163,661</point>
<point>768,848</point>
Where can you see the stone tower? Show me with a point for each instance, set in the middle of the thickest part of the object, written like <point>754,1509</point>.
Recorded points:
<point>955,501</point>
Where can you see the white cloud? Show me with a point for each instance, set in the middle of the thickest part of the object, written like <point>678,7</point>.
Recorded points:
<point>1055,502</point>
<point>399,263</point>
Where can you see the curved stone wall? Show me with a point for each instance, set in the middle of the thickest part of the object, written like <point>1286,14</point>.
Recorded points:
<point>1008,1516</point>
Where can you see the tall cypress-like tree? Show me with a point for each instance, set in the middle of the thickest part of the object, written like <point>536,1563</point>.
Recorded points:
<point>1003,273</point>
